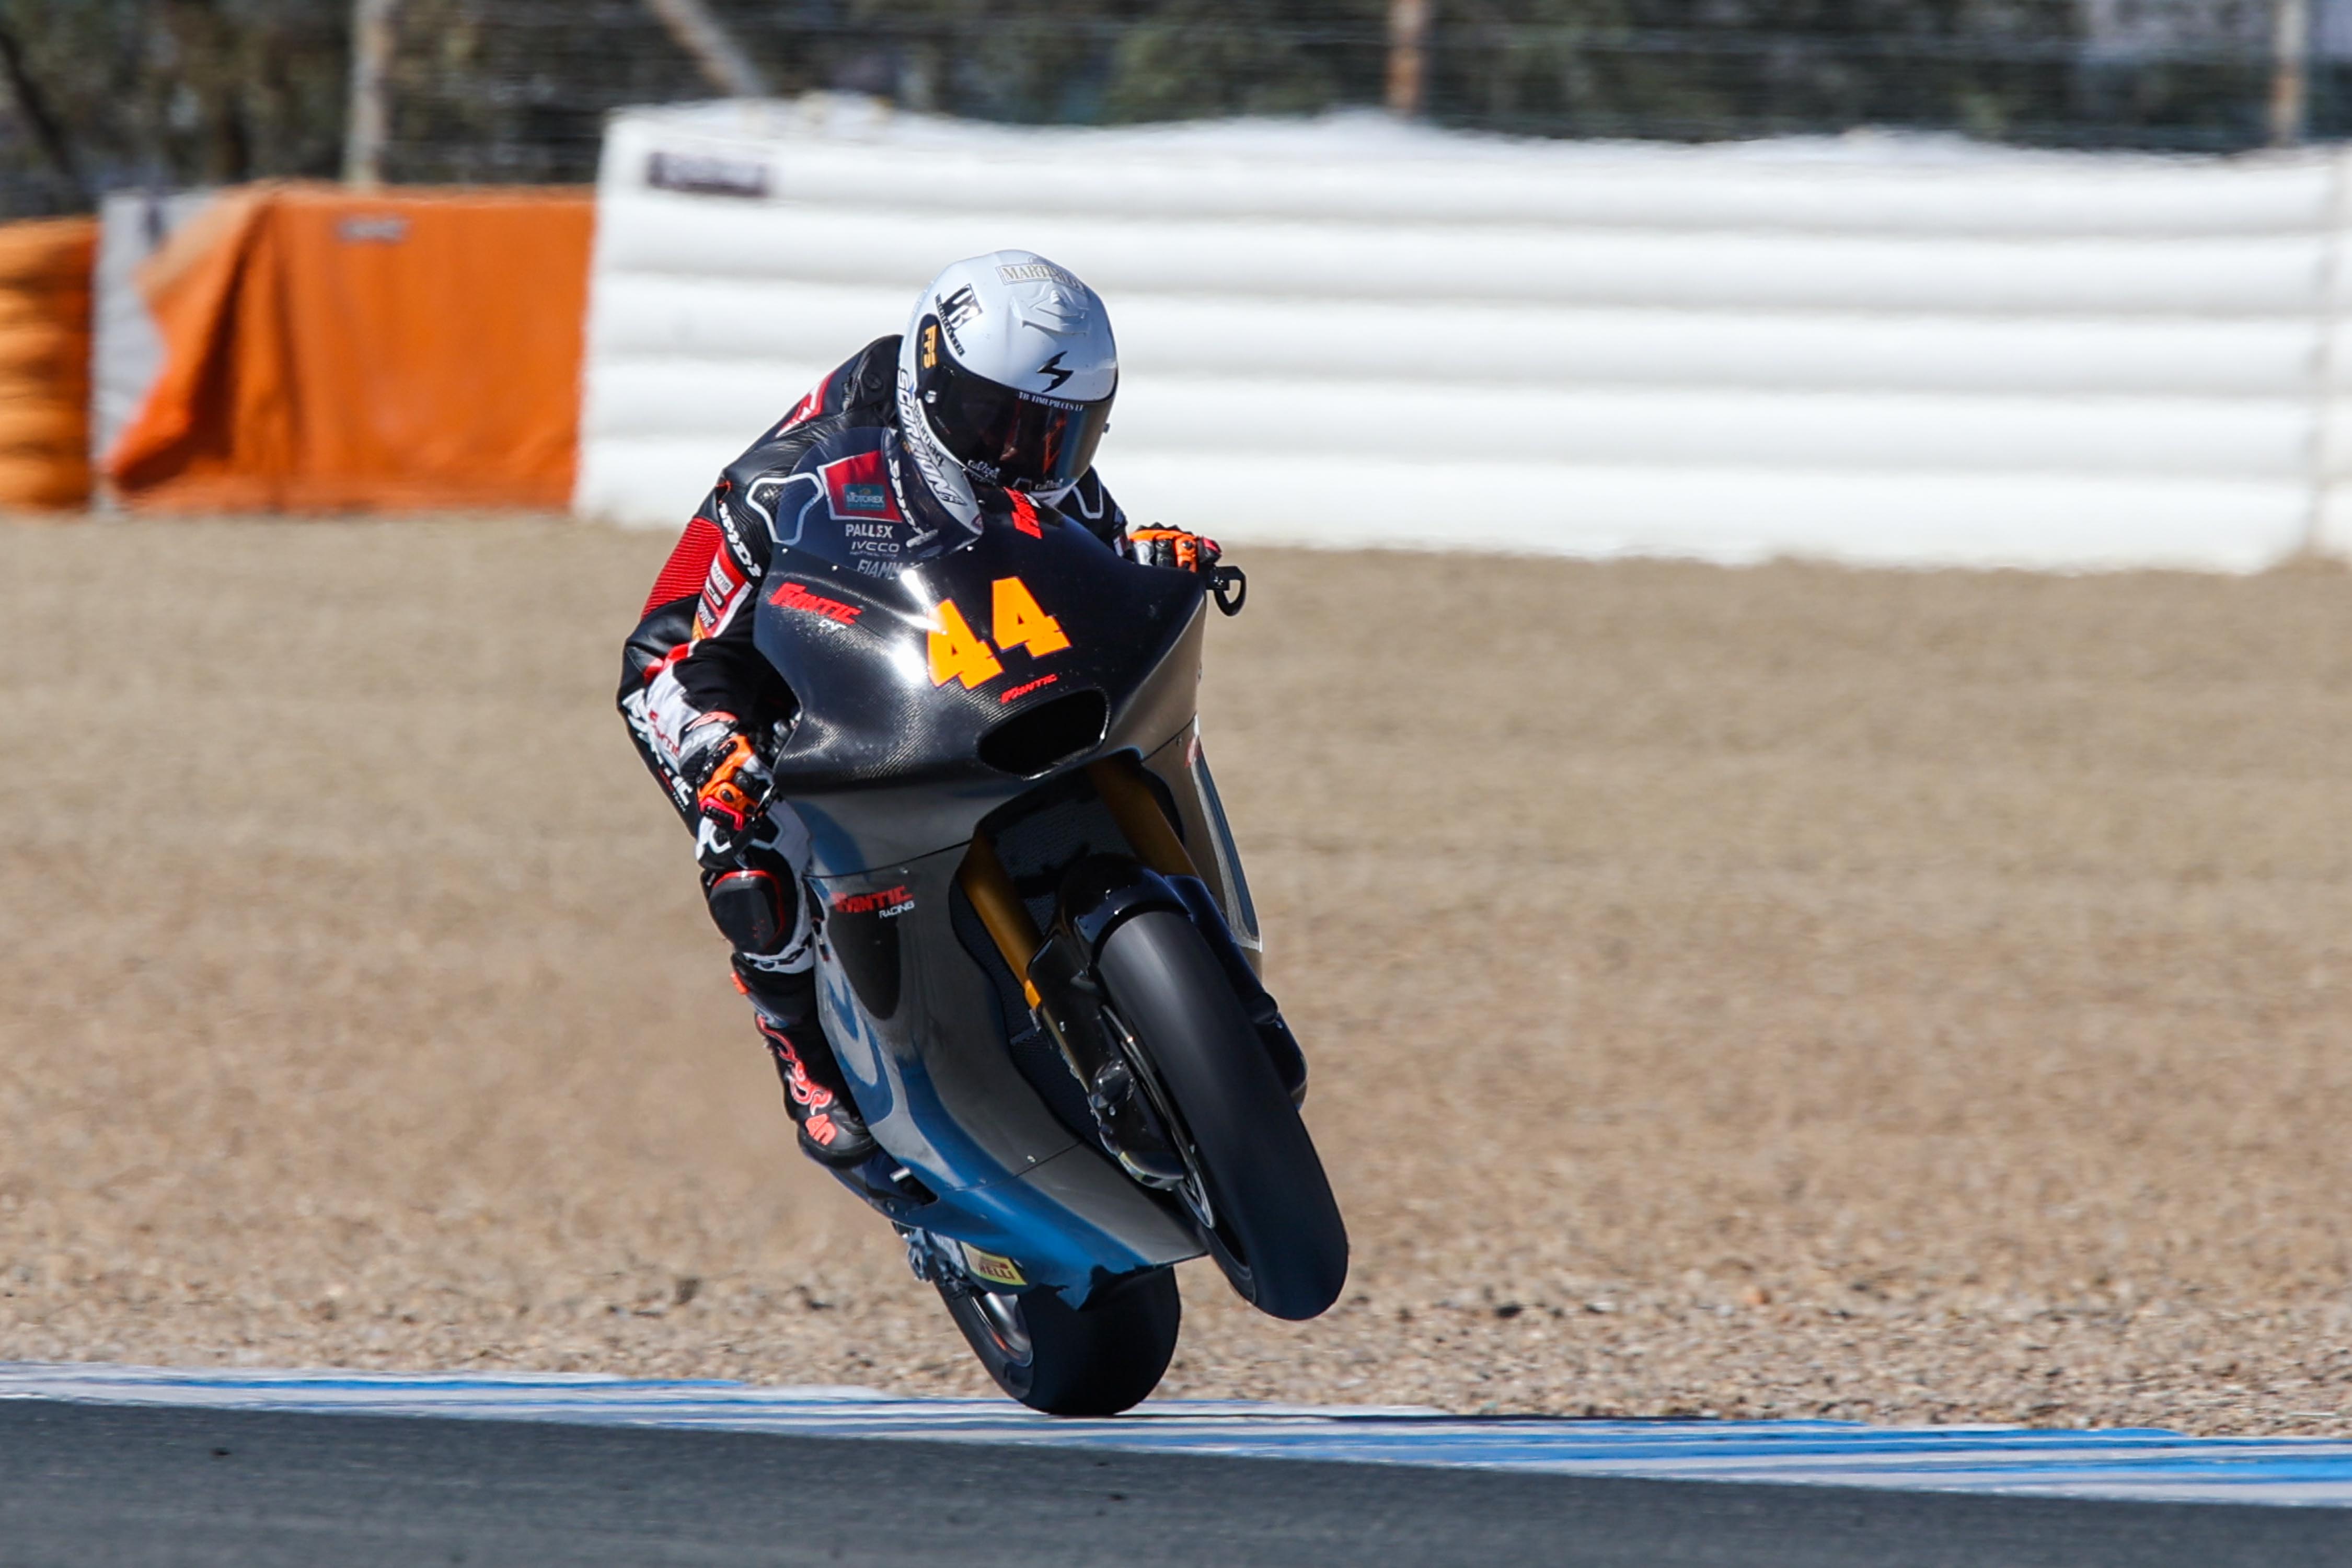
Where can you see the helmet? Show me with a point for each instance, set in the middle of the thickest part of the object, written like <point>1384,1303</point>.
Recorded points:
<point>1005,376</point>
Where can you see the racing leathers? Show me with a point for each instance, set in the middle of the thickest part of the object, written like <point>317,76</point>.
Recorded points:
<point>705,709</point>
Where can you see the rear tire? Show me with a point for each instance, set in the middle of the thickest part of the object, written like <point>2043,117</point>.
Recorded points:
<point>1095,1359</point>
<point>1275,1227</point>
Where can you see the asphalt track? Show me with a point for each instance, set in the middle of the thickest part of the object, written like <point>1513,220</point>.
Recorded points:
<point>116,1465</point>
<point>85,1484</point>
<point>2128,1464</point>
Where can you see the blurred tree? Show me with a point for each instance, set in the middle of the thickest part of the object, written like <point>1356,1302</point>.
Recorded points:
<point>1194,57</point>
<point>95,94</point>
<point>1766,67</point>
<point>165,92</point>
<point>1022,60</point>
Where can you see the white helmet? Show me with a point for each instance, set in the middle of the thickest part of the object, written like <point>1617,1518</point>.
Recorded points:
<point>1005,376</point>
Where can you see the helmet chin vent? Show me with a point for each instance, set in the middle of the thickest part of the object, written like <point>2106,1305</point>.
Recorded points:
<point>1048,735</point>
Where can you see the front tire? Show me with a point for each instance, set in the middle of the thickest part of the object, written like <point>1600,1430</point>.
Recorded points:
<point>1095,1359</point>
<point>1272,1223</point>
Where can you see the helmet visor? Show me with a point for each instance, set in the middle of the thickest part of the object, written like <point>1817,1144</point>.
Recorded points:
<point>1022,441</point>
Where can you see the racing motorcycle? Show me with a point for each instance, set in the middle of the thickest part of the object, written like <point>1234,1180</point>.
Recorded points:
<point>1036,955</point>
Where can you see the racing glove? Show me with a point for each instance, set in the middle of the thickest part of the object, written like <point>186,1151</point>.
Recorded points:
<point>1174,547</point>
<point>730,787</point>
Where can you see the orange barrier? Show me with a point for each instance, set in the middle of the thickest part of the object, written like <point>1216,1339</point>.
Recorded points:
<point>329,351</point>
<point>45,362</point>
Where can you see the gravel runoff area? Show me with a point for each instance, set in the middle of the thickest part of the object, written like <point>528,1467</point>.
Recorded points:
<point>1777,992</point>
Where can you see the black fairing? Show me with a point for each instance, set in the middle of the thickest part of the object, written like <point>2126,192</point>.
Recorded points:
<point>886,763</point>
<point>894,762</point>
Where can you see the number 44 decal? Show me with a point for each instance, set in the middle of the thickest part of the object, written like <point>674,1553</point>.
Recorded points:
<point>958,653</point>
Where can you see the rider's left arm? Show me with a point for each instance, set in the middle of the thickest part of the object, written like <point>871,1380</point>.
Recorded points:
<point>1089,502</point>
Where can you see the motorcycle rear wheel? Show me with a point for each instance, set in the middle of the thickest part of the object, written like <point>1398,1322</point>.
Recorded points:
<point>1095,1359</point>
<point>1270,1222</point>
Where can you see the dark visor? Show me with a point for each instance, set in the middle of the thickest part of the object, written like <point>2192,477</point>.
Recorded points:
<point>1031,441</point>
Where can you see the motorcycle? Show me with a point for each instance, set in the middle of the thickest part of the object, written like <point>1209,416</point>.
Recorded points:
<point>1036,955</point>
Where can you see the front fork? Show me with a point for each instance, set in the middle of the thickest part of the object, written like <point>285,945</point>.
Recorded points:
<point>1058,982</point>
<point>1056,971</point>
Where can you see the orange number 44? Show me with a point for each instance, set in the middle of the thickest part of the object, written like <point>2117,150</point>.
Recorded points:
<point>958,653</point>
<point>1021,624</point>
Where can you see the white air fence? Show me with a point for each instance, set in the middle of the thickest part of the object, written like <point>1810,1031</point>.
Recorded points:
<point>1346,334</point>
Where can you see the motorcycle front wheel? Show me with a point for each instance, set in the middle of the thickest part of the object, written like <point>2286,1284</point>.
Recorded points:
<point>1095,1359</point>
<point>1259,1194</point>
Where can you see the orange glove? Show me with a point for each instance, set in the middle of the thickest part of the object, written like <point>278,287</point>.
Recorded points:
<point>1174,547</point>
<point>730,788</point>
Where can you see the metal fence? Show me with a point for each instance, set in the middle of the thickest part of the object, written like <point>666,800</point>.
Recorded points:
<point>103,93</point>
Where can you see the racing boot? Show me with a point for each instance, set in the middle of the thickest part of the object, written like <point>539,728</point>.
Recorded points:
<point>759,906</point>
<point>816,1099</point>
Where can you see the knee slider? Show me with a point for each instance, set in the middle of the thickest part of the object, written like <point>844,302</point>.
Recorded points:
<point>750,909</point>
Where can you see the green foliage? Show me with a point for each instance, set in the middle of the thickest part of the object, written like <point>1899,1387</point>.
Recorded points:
<point>95,94</point>
<point>169,92</point>
<point>1194,57</point>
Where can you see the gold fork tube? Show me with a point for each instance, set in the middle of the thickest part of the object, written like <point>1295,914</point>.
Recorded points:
<point>1136,809</point>
<point>998,903</point>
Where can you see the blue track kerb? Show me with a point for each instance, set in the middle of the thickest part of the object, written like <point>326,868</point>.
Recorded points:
<point>2139,1464</point>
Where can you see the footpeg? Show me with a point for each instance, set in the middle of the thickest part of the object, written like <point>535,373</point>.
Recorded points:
<point>922,1260</point>
<point>881,1177</point>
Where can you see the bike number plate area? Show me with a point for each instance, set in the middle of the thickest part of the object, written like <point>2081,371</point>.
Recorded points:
<point>900,679</point>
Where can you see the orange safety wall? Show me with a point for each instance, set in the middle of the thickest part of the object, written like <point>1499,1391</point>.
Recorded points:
<point>45,269</point>
<point>329,351</point>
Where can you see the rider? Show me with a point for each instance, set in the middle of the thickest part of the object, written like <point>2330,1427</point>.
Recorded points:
<point>989,406</point>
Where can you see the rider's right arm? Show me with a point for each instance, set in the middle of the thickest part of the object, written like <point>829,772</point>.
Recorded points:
<point>692,653</point>
<point>694,657</point>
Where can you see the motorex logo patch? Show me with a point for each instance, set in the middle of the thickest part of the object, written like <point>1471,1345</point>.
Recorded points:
<point>855,486</point>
